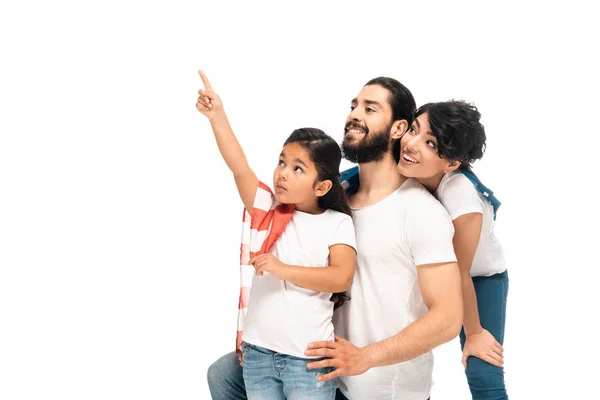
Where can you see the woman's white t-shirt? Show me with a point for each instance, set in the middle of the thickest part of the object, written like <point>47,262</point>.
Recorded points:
<point>459,196</point>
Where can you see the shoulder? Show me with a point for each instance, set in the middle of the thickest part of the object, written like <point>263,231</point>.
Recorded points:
<point>455,183</point>
<point>336,217</point>
<point>421,207</point>
<point>415,195</point>
<point>458,195</point>
<point>264,199</point>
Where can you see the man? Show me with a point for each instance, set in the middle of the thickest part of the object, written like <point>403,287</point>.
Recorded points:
<point>406,295</point>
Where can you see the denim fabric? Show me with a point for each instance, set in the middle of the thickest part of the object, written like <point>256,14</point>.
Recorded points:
<point>269,375</point>
<point>486,381</point>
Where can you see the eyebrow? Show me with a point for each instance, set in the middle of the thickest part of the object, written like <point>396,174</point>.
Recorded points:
<point>373,103</point>
<point>428,133</point>
<point>368,102</point>
<point>299,161</point>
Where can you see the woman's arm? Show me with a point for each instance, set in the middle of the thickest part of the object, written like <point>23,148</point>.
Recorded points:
<point>467,230</point>
<point>479,342</point>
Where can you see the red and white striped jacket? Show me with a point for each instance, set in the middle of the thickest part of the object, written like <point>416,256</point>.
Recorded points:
<point>260,231</point>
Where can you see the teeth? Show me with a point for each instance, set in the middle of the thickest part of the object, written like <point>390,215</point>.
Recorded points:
<point>356,131</point>
<point>407,158</point>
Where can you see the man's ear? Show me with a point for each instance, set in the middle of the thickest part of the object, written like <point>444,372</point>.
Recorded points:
<point>452,166</point>
<point>399,128</point>
<point>323,187</point>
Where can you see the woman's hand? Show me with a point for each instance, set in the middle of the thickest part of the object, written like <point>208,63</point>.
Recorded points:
<point>485,347</point>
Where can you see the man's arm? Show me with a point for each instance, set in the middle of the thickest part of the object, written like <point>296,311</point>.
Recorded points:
<point>441,290</point>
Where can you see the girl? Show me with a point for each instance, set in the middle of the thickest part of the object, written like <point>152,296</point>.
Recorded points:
<point>438,150</point>
<point>307,221</point>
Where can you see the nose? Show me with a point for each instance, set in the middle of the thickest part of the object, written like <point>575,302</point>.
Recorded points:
<point>283,174</point>
<point>355,115</point>
<point>412,144</point>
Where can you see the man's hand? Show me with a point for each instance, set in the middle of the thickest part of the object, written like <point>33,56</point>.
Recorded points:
<point>347,359</point>
<point>269,263</point>
<point>208,102</point>
<point>485,347</point>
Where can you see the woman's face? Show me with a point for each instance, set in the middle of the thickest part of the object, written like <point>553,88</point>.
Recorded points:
<point>419,153</point>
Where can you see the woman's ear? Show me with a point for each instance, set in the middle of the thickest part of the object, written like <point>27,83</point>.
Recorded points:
<point>399,128</point>
<point>452,166</point>
<point>323,187</point>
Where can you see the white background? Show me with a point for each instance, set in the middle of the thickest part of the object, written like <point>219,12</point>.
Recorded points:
<point>119,222</point>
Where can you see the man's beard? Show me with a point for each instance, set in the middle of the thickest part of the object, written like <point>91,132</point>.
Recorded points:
<point>371,148</point>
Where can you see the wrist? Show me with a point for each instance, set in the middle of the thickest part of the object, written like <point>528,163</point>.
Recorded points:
<point>473,331</point>
<point>368,356</point>
<point>286,272</point>
<point>218,117</point>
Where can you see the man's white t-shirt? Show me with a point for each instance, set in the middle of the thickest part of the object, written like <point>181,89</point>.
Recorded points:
<point>281,316</point>
<point>395,235</point>
<point>458,195</point>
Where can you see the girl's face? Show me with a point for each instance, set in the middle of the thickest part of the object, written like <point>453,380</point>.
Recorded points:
<point>295,179</point>
<point>419,153</point>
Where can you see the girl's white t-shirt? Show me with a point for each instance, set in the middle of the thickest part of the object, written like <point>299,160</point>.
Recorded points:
<point>284,317</point>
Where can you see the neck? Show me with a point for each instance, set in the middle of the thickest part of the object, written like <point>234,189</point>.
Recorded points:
<point>309,208</point>
<point>432,183</point>
<point>380,177</point>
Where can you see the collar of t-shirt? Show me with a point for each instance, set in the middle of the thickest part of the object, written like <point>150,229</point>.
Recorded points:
<point>350,182</point>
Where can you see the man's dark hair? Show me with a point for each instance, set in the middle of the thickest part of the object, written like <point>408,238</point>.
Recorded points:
<point>402,103</point>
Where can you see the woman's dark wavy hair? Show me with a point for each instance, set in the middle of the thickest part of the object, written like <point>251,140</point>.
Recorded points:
<point>325,153</point>
<point>459,133</point>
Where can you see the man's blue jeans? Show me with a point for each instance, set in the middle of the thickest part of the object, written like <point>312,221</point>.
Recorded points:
<point>226,379</point>
<point>486,381</point>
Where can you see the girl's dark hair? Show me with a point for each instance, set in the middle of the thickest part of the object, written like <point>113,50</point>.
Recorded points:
<point>325,153</point>
<point>459,133</point>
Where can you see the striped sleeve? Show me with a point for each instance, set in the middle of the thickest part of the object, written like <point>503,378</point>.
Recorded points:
<point>255,229</point>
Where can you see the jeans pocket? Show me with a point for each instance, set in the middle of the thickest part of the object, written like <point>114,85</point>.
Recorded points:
<point>244,349</point>
<point>325,385</point>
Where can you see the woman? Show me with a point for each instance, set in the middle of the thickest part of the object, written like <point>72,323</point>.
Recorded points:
<point>438,150</point>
